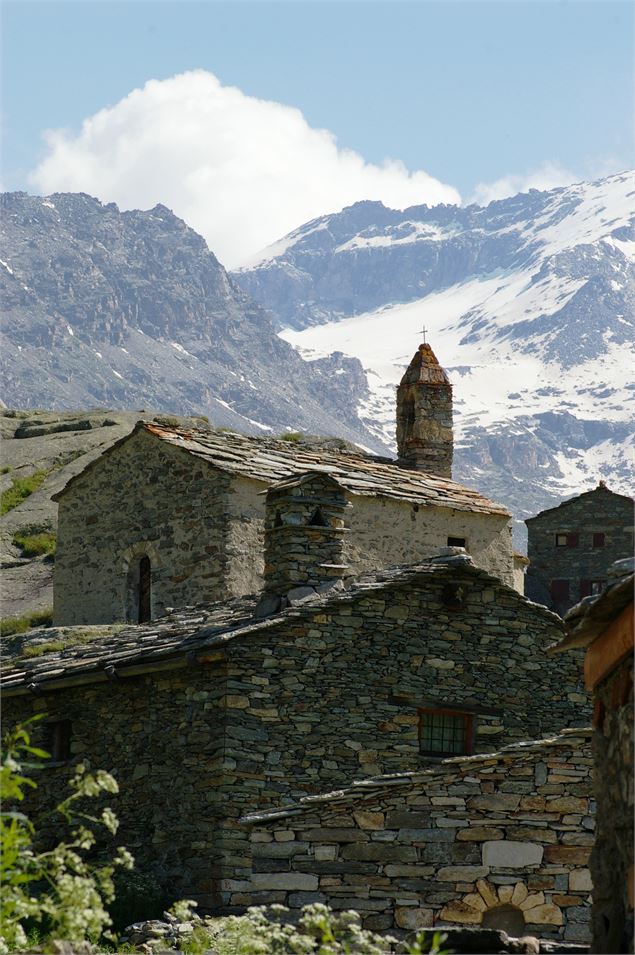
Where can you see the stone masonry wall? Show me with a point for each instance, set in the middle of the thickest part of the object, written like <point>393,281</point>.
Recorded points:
<point>161,736</point>
<point>384,533</point>
<point>612,858</point>
<point>597,512</point>
<point>309,700</point>
<point>144,497</point>
<point>335,694</point>
<point>500,841</point>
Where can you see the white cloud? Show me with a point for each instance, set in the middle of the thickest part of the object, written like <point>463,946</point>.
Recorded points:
<point>241,171</point>
<point>550,175</point>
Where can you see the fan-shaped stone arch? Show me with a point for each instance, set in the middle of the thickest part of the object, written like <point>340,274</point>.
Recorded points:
<point>500,906</point>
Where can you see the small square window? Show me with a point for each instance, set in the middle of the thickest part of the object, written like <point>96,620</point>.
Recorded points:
<point>58,740</point>
<point>561,540</point>
<point>445,733</point>
<point>457,542</point>
<point>598,539</point>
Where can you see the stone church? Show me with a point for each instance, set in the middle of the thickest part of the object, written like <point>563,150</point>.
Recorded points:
<point>378,632</point>
<point>168,518</point>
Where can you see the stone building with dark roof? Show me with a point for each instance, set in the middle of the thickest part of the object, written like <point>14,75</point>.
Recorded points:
<point>216,711</point>
<point>166,517</point>
<point>571,546</point>
<point>352,634</point>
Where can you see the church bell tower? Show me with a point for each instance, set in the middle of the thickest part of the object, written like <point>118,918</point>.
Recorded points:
<point>424,416</point>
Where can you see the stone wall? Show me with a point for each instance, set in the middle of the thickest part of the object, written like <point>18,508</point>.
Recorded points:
<point>203,531</point>
<point>500,841</point>
<point>161,736</point>
<point>612,858</point>
<point>583,519</point>
<point>336,693</point>
<point>384,533</point>
<point>142,498</point>
<point>305,701</point>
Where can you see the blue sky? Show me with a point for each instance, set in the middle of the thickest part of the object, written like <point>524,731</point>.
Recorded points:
<point>473,93</point>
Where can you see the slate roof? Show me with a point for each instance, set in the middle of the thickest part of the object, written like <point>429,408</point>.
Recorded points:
<point>378,786</point>
<point>600,489</point>
<point>193,631</point>
<point>270,460</point>
<point>590,618</point>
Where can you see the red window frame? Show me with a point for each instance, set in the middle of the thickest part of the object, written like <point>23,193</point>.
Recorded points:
<point>468,731</point>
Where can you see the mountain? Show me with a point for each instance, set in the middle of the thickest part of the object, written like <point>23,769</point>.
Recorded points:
<point>527,302</point>
<point>131,309</point>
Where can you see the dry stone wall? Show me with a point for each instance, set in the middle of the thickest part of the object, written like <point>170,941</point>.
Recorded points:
<point>161,736</point>
<point>335,693</point>
<point>202,530</point>
<point>142,498</point>
<point>498,841</point>
<point>612,858</point>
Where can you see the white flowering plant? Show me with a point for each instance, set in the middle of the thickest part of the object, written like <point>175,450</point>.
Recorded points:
<point>60,890</point>
<point>268,930</point>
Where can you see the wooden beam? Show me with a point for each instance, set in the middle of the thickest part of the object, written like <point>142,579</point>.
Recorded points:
<point>609,649</point>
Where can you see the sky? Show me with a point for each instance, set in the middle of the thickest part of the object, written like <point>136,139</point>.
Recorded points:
<point>251,118</point>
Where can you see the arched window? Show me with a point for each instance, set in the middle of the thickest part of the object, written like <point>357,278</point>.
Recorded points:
<point>145,590</point>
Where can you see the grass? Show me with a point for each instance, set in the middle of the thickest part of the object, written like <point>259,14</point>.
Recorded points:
<point>67,637</point>
<point>5,469</point>
<point>20,489</point>
<point>291,436</point>
<point>40,543</point>
<point>37,618</point>
<point>166,420</point>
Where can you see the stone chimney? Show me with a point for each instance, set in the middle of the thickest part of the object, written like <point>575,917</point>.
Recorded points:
<point>304,534</point>
<point>424,416</point>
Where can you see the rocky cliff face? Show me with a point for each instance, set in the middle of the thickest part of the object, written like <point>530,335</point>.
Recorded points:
<point>528,303</point>
<point>132,309</point>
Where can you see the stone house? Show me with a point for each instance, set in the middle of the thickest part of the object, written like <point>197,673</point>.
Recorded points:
<point>571,546</point>
<point>217,711</point>
<point>167,518</point>
<point>604,626</point>
<point>496,841</point>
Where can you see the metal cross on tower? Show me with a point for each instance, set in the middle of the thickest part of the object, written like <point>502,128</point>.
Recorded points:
<point>423,332</point>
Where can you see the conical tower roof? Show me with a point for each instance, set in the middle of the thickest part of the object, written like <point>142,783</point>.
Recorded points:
<point>425,369</point>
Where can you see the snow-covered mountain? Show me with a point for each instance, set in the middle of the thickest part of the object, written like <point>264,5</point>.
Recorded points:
<point>528,304</point>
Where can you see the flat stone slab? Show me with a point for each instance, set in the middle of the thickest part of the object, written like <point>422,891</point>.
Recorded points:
<point>505,854</point>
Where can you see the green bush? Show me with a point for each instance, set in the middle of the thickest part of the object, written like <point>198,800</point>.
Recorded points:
<point>59,892</point>
<point>37,618</point>
<point>36,543</point>
<point>20,489</point>
<point>294,436</point>
<point>5,469</point>
<point>319,930</point>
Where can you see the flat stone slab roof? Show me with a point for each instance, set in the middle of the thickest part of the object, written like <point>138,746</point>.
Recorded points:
<point>271,460</point>
<point>53,657</point>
